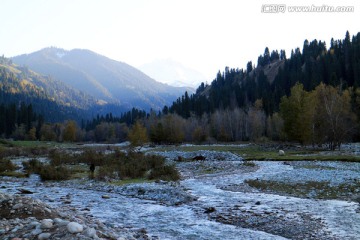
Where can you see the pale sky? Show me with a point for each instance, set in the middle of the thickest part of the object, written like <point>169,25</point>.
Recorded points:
<point>205,35</point>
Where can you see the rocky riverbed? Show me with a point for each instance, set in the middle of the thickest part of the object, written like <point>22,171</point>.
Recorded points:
<point>215,199</point>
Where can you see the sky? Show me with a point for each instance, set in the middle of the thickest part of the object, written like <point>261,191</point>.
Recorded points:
<point>206,35</point>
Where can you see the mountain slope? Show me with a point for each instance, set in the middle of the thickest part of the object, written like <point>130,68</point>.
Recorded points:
<point>53,99</point>
<point>274,76</point>
<point>106,79</point>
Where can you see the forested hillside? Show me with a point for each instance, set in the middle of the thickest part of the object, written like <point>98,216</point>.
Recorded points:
<point>312,97</point>
<point>274,76</point>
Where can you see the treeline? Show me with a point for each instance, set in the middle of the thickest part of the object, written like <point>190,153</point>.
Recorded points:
<point>128,117</point>
<point>324,115</point>
<point>20,122</point>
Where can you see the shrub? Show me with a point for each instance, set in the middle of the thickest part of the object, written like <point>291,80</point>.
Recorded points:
<point>32,166</point>
<point>56,158</point>
<point>91,157</point>
<point>249,164</point>
<point>166,172</point>
<point>9,151</point>
<point>107,173</point>
<point>49,172</point>
<point>6,166</point>
<point>155,161</point>
<point>46,172</point>
<point>135,165</point>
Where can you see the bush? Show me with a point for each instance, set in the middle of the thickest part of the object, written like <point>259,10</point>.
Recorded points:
<point>46,172</point>
<point>57,158</point>
<point>9,151</point>
<point>32,166</point>
<point>91,157</point>
<point>155,161</point>
<point>49,172</point>
<point>107,173</point>
<point>135,165</point>
<point>249,164</point>
<point>6,166</point>
<point>167,173</point>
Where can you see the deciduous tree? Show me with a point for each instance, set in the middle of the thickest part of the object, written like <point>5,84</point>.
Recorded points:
<point>334,119</point>
<point>138,135</point>
<point>69,134</point>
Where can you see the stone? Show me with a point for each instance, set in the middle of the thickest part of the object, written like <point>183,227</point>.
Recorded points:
<point>61,222</point>
<point>17,206</point>
<point>44,236</point>
<point>209,210</point>
<point>37,231</point>
<point>281,153</point>
<point>47,210</point>
<point>46,223</point>
<point>33,224</point>
<point>90,232</point>
<point>74,227</point>
<point>63,214</point>
<point>257,203</point>
<point>25,191</point>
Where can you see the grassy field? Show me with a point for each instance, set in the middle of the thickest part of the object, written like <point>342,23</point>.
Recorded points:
<point>248,151</point>
<point>264,153</point>
<point>34,144</point>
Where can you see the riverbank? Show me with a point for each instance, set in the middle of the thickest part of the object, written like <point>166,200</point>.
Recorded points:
<point>220,197</point>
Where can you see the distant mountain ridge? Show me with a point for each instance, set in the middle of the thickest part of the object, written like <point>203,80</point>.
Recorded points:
<point>107,80</point>
<point>173,73</point>
<point>49,97</point>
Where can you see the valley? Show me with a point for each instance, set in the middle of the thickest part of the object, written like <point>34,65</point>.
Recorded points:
<point>149,120</point>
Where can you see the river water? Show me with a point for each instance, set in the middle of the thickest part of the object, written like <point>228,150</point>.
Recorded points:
<point>339,219</point>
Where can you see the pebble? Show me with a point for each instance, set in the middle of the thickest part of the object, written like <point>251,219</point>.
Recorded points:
<point>53,223</point>
<point>74,227</point>
<point>90,232</point>
<point>44,236</point>
<point>37,231</point>
<point>17,206</point>
<point>46,223</point>
<point>60,222</point>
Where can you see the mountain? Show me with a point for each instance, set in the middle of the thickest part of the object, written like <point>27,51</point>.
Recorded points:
<point>107,80</point>
<point>49,97</point>
<point>173,73</point>
<point>274,77</point>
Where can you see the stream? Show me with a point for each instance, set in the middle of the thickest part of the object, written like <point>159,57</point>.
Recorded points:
<point>233,214</point>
